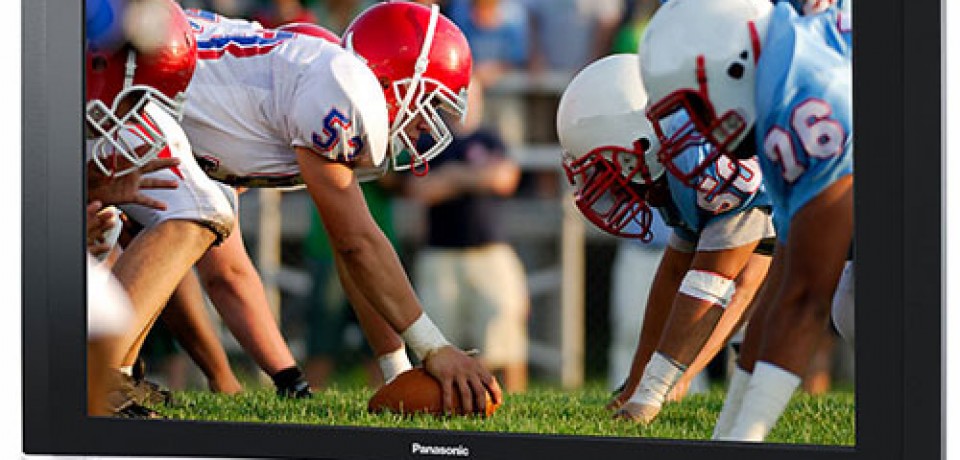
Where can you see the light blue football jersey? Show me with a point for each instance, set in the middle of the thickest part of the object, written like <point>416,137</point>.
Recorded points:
<point>804,108</point>
<point>842,5</point>
<point>691,209</point>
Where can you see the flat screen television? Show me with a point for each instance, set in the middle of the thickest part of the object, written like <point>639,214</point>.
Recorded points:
<point>893,410</point>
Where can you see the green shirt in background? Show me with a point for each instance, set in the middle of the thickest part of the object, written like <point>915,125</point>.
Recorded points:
<point>317,244</point>
<point>627,39</point>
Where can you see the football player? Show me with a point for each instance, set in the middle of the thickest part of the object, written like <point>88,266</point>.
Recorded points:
<point>275,108</point>
<point>135,96</point>
<point>714,262</point>
<point>757,79</point>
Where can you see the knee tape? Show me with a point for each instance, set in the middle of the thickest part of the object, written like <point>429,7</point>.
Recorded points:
<point>708,286</point>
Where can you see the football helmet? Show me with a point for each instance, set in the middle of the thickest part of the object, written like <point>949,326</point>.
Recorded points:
<point>423,63</point>
<point>609,148</point>
<point>313,30</point>
<point>155,66</point>
<point>698,61</point>
<point>809,7</point>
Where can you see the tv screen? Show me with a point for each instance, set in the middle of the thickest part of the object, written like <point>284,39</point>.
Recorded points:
<point>483,229</point>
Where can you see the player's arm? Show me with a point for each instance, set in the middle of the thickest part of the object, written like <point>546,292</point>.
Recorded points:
<point>747,284</point>
<point>666,282</point>
<point>373,265</point>
<point>387,345</point>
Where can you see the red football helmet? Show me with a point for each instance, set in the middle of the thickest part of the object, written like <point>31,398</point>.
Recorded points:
<point>313,30</point>
<point>122,82</point>
<point>423,62</point>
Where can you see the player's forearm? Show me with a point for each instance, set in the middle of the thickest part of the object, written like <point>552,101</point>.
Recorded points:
<point>371,262</point>
<point>380,334</point>
<point>659,303</point>
<point>748,283</point>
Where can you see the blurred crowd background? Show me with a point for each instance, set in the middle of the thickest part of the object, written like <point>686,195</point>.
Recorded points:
<point>583,292</point>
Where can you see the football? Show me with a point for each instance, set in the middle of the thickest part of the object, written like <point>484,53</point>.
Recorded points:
<point>416,391</point>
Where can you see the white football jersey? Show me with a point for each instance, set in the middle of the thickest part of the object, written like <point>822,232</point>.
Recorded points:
<point>258,93</point>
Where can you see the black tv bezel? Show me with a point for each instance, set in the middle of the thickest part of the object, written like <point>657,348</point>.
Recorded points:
<point>900,387</point>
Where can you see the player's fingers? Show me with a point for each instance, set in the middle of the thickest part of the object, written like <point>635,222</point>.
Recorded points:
<point>153,183</point>
<point>99,223</point>
<point>106,221</point>
<point>466,394</point>
<point>144,200</point>
<point>614,404</point>
<point>98,249</point>
<point>493,387</point>
<point>158,164</point>
<point>479,390</point>
<point>94,207</point>
<point>620,400</point>
<point>446,384</point>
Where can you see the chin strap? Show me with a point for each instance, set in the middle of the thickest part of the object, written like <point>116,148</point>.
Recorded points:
<point>423,61</point>
<point>131,69</point>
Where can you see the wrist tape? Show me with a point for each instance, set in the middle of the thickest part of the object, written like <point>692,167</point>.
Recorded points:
<point>423,337</point>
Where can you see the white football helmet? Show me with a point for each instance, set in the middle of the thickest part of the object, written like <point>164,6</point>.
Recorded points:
<point>698,59</point>
<point>609,147</point>
<point>810,7</point>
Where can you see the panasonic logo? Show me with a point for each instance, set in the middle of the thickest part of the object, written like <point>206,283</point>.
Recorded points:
<point>443,451</point>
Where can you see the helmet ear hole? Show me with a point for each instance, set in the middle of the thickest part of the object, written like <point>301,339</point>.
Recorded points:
<point>645,143</point>
<point>99,63</point>
<point>736,70</point>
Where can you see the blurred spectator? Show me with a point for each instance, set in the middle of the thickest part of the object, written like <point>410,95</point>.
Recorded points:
<point>329,317</point>
<point>497,31</point>
<point>230,8</point>
<point>280,12</point>
<point>336,15</point>
<point>441,3</point>
<point>568,34</point>
<point>471,283</point>
<point>635,19</point>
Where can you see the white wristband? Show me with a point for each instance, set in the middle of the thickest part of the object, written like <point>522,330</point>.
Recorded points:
<point>393,364</point>
<point>659,377</point>
<point>423,337</point>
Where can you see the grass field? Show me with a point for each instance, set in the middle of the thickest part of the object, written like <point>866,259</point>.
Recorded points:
<point>825,420</point>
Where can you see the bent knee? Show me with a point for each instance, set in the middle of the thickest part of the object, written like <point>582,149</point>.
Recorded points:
<point>229,277</point>
<point>806,303</point>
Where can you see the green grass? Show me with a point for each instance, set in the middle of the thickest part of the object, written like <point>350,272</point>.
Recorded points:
<point>825,420</point>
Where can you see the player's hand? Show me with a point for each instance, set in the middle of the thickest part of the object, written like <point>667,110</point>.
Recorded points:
<point>126,189</point>
<point>457,371</point>
<point>636,412</point>
<point>624,393</point>
<point>678,391</point>
<point>99,222</point>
